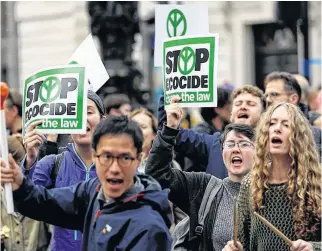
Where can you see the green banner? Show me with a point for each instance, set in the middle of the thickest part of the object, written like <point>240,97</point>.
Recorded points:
<point>58,97</point>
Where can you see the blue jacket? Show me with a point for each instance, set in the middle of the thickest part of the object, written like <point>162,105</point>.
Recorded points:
<point>203,149</point>
<point>138,220</point>
<point>72,171</point>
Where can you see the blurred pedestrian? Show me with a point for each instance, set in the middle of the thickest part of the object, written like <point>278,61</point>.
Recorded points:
<point>13,112</point>
<point>117,104</point>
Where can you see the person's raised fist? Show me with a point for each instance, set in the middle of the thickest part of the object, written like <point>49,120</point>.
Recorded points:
<point>174,113</point>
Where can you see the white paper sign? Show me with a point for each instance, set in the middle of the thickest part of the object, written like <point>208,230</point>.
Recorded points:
<point>178,20</point>
<point>86,54</point>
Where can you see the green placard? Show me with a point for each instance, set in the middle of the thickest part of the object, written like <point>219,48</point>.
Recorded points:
<point>58,97</point>
<point>189,70</point>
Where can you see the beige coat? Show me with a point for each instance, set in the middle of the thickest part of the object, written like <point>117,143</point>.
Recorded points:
<point>27,234</point>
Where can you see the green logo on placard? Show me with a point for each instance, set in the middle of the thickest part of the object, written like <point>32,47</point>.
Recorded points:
<point>50,89</point>
<point>187,60</point>
<point>176,23</point>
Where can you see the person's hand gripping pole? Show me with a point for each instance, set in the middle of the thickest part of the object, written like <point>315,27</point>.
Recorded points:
<point>4,92</point>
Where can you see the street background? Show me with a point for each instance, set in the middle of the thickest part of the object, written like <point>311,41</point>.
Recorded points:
<point>256,38</point>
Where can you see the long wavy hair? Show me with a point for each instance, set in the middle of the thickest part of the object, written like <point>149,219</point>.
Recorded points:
<point>304,176</point>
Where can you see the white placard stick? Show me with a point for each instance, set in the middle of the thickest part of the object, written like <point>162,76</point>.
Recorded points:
<point>4,91</point>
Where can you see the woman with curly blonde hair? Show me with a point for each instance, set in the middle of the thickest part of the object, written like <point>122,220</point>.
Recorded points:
<point>284,185</point>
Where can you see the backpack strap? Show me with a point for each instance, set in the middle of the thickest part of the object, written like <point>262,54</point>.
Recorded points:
<point>213,186</point>
<point>54,171</point>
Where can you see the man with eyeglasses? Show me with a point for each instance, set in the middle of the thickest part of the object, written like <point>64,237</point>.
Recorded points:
<point>119,210</point>
<point>283,87</point>
<point>187,189</point>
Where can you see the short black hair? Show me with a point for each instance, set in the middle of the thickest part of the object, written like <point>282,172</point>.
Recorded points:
<point>290,83</point>
<point>116,125</point>
<point>223,98</point>
<point>115,101</point>
<point>244,129</point>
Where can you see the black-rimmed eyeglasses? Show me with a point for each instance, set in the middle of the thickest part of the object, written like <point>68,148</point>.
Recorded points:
<point>107,160</point>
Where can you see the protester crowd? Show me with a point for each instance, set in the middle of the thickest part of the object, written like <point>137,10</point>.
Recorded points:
<point>135,181</point>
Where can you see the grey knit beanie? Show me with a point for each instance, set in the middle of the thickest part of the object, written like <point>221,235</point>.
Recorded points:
<point>97,100</point>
